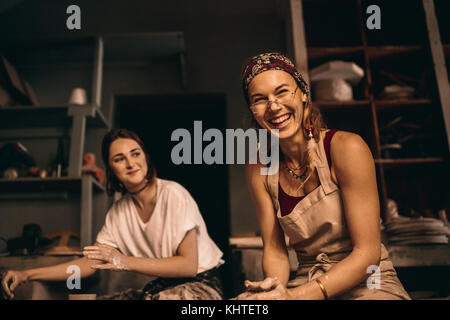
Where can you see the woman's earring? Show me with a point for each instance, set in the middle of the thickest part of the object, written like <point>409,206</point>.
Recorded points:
<point>311,149</point>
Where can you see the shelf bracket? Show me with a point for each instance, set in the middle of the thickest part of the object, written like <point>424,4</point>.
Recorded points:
<point>34,196</point>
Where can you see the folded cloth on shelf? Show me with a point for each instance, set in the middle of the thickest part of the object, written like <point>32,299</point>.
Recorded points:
<point>337,69</point>
<point>422,239</point>
<point>397,92</point>
<point>332,90</point>
<point>416,231</point>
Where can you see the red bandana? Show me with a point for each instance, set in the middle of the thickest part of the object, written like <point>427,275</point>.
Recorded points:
<point>271,61</point>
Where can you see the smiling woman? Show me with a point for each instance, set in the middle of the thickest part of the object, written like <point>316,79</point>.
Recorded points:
<point>120,149</point>
<point>268,98</point>
<point>325,201</point>
<point>155,229</point>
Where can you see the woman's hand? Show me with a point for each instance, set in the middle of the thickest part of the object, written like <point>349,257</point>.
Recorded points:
<point>267,284</point>
<point>268,289</point>
<point>113,259</point>
<point>12,279</point>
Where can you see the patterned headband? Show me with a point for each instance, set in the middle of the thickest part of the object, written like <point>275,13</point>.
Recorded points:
<point>271,61</point>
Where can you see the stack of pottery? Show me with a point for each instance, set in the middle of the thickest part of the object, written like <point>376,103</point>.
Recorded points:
<point>402,230</point>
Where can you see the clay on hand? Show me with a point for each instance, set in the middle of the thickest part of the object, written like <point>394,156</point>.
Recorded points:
<point>267,284</point>
<point>111,256</point>
<point>268,289</point>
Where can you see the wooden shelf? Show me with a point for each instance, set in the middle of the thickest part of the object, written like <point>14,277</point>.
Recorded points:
<point>413,255</point>
<point>373,52</point>
<point>333,105</point>
<point>30,185</point>
<point>79,50</point>
<point>408,161</point>
<point>46,116</point>
<point>87,53</point>
<point>323,52</point>
<point>388,104</point>
<point>377,52</point>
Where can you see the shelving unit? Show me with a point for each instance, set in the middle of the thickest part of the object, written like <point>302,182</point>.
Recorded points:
<point>407,45</point>
<point>389,104</point>
<point>87,53</point>
<point>403,46</point>
<point>377,52</point>
<point>30,184</point>
<point>329,105</point>
<point>74,118</point>
<point>408,161</point>
<point>48,116</point>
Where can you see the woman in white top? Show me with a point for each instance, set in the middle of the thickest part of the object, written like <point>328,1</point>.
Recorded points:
<point>155,229</point>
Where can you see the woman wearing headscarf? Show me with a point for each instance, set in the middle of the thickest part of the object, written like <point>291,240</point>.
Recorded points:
<point>324,197</point>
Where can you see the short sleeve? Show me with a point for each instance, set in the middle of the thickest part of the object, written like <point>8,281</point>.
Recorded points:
<point>186,217</point>
<point>106,234</point>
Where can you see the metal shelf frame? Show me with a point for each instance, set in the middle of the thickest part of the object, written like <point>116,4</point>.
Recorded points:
<point>96,52</point>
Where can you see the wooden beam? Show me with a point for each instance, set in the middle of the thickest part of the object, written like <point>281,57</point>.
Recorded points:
<point>440,69</point>
<point>296,37</point>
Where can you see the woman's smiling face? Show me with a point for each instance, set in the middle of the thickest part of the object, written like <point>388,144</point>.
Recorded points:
<point>128,162</point>
<point>277,102</point>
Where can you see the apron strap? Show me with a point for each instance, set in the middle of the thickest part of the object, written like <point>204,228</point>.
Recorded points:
<point>324,170</point>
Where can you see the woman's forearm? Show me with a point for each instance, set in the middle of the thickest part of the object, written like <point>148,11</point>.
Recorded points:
<point>274,266</point>
<point>342,277</point>
<point>59,272</point>
<point>172,267</point>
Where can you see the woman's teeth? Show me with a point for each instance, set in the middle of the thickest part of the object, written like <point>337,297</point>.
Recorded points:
<point>280,120</point>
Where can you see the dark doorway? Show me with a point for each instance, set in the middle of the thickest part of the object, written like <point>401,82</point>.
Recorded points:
<point>154,118</point>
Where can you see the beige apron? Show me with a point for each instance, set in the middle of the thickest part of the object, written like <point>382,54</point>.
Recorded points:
<point>318,232</point>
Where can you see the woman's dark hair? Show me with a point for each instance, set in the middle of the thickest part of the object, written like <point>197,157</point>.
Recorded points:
<point>112,183</point>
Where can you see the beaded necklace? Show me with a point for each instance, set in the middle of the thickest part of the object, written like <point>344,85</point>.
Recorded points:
<point>292,171</point>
